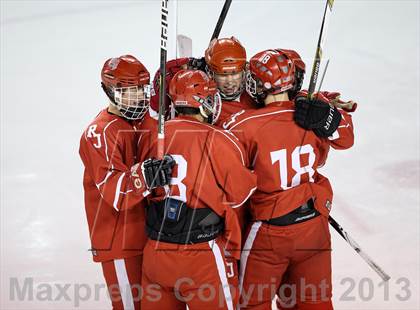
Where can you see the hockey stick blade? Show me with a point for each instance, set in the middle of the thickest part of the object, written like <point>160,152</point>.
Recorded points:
<point>384,276</point>
<point>184,46</point>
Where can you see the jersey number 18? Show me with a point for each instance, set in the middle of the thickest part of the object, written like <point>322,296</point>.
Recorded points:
<point>281,157</point>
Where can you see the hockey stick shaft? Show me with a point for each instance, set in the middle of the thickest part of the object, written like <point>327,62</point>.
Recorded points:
<point>221,20</point>
<point>319,48</point>
<point>385,277</point>
<point>311,89</point>
<point>323,76</point>
<point>162,80</point>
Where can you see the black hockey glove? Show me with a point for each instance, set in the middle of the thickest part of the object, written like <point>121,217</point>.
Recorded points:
<point>316,114</point>
<point>157,172</point>
<point>197,63</point>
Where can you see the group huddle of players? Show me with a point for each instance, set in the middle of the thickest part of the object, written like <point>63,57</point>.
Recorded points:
<point>236,212</point>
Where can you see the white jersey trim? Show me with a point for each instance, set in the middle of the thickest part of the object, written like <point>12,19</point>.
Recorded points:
<point>124,284</point>
<point>138,141</point>
<point>220,263</point>
<point>260,115</point>
<point>246,251</point>
<point>215,129</point>
<point>118,191</point>
<point>246,198</point>
<point>105,179</point>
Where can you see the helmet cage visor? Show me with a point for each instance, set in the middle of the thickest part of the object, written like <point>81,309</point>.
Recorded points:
<point>133,101</point>
<point>210,107</point>
<point>253,86</point>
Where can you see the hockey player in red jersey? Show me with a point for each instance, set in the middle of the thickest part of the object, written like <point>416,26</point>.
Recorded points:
<point>289,236</point>
<point>307,115</point>
<point>194,234</point>
<point>115,183</point>
<point>226,62</point>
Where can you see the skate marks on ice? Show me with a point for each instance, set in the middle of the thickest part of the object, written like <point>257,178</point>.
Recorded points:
<point>403,174</point>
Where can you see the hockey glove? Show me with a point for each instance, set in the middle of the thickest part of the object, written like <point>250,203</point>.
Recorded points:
<point>198,63</point>
<point>317,114</point>
<point>157,172</point>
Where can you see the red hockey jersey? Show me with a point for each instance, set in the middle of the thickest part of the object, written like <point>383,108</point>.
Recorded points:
<point>244,102</point>
<point>114,194</point>
<point>285,158</point>
<point>210,172</point>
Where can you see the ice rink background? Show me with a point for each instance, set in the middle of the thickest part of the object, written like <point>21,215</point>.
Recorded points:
<point>51,56</point>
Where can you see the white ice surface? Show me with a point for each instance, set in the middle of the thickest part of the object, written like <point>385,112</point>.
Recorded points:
<point>51,55</point>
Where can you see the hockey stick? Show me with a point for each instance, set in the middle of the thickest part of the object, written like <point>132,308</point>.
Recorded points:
<point>318,53</point>
<point>385,277</point>
<point>221,20</point>
<point>312,84</point>
<point>162,81</point>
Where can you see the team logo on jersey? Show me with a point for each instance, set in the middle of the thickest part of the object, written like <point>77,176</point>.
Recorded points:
<point>232,119</point>
<point>92,134</point>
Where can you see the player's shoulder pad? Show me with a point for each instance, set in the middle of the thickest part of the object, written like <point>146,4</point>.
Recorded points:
<point>104,123</point>
<point>221,137</point>
<point>227,138</point>
<point>250,118</point>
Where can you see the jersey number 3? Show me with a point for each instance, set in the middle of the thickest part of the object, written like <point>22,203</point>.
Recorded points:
<point>177,181</point>
<point>281,157</point>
